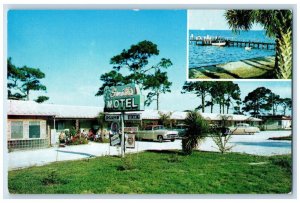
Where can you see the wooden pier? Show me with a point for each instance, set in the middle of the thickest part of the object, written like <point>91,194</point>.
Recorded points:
<point>205,41</point>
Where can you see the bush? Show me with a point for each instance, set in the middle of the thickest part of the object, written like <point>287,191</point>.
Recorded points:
<point>195,133</point>
<point>127,163</point>
<point>283,161</point>
<point>174,158</point>
<point>221,142</point>
<point>221,134</point>
<point>262,128</point>
<point>72,131</point>
<point>52,178</point>
<point>76,140</point>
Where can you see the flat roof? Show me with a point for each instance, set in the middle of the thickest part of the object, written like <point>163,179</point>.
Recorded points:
<point>31,108</point>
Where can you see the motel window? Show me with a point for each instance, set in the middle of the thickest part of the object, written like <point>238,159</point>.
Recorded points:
<point>34,129</point>
<point>17,129</point>
<point>60,126</point>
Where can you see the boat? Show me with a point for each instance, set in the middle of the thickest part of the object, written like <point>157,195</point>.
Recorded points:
<point>248,48</point>
<point>220,43</point>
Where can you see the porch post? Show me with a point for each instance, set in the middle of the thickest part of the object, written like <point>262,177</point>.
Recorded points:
<point>77,125</point>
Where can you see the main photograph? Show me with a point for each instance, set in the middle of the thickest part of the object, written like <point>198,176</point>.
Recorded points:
<point>98,103</point>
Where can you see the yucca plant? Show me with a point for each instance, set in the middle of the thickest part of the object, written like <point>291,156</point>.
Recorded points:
<point>222,137</point>
<point>278,24</point>
<point>195,133</point>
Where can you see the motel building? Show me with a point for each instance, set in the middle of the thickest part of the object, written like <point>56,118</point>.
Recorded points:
<point>33,125</point>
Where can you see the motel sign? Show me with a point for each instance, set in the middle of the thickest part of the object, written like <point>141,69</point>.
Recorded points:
<point>123,98</point>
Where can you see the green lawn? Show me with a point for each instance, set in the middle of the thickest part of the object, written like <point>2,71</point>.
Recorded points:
<point>158,173</point>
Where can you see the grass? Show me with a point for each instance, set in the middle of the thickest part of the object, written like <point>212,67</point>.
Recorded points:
<point>161,172</point>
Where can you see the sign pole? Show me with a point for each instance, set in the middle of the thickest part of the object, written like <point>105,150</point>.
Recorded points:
<point>123,136</point>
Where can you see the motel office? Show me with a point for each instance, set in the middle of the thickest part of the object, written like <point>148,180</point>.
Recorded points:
<point>34,125</point>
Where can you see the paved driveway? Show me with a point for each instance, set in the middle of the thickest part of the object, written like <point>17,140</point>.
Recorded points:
<point>251,144</point>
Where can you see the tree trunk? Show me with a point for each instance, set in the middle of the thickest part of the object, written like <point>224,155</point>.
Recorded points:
<point>228,104</point>
<point>203,102</point>
<point>157,101</point>
<point>283,58</point>
<point>223,107</point>
<point>27,96</point>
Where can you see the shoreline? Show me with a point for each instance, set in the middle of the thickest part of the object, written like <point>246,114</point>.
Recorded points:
<point>253,68</point>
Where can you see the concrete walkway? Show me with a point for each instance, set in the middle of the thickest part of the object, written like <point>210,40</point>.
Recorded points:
<point>257,144</point>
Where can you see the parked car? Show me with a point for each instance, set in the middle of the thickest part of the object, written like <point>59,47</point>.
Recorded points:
<point>156,133</point>
<point>243,129</point>
<point>181,129</point>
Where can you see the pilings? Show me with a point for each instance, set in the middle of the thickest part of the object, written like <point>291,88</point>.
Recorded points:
<point>233,43</point>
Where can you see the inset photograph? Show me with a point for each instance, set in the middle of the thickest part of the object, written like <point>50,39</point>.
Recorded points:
<point>240,44</point>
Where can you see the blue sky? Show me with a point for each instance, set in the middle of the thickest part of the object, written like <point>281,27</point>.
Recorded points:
<point>210,19</point>
<point>73,48</point>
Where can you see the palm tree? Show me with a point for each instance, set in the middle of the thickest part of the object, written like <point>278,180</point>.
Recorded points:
<point>196,131</point>
<point>278,24</point>
<point>165,119</point>
<point>102,123</point>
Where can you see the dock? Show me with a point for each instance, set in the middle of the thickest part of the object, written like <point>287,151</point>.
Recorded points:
<point>229,42</point>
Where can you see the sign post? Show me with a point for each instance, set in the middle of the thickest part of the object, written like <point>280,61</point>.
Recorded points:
<point>123,136</point>
<point>123,99</point>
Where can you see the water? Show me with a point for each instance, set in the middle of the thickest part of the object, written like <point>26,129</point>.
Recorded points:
<point>212,55</point>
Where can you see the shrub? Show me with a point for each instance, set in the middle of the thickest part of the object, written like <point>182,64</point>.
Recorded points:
<point>72,131</point>
<point>52,178</point>
<point>127,163</point>
<point>76,140</point>
<point>283,161</point>
<point>221,142</point>
<point>262,128</point>
<point>196,131</point>
<point>174,158</point>
<point>221,135</point>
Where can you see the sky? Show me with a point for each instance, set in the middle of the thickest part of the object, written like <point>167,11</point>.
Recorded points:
<point>73,48</point>
<point>210,19</point>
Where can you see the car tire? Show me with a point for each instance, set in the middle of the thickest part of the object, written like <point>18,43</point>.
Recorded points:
<point>160,138</point>
<point>172,140</point>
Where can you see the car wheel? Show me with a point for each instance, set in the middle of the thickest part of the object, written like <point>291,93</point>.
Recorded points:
<point>160,138</point>
<point>172,140</point>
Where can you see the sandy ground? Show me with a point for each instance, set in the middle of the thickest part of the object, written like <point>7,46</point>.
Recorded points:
<point>257,144</point>
<point>250,68</point>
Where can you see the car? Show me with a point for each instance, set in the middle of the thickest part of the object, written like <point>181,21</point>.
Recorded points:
<point>243,129</point>
<point>181,129</point>
<point>156,133</point>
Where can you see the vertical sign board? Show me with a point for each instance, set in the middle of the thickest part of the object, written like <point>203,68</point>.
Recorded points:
<point>130,141</point>
<point>123,99</point>
<point>130,132</point>
<point>114,135</point>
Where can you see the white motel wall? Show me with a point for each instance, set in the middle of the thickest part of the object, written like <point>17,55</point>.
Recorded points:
<point>33,125</point>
